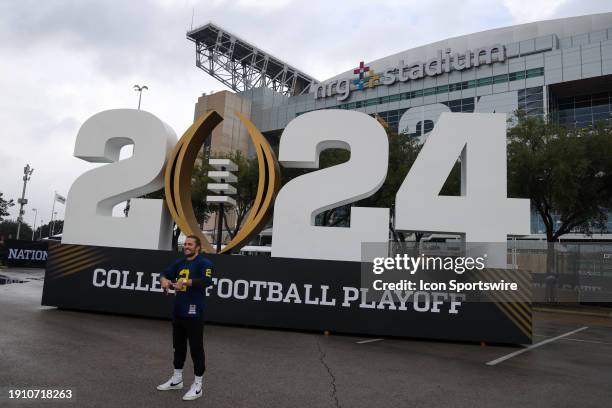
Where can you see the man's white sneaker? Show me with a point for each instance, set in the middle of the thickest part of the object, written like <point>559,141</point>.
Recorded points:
<point>194,392</point>
<point>171,384</point>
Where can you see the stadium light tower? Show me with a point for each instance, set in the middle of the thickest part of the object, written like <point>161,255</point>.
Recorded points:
<point>27,173</point>
<point>241,66</point>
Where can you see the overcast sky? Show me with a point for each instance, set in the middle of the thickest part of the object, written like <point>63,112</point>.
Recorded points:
<point>63,61</point>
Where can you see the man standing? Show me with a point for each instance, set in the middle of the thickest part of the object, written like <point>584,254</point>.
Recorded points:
<point>189,276</point>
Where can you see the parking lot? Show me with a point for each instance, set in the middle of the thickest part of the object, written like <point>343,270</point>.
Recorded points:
<point>109,360</point>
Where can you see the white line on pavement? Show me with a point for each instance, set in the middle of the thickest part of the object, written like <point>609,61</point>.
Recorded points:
<point>581,340</point>
<point>589,341</point>
<point>369,341</point>
<point>526,349</point>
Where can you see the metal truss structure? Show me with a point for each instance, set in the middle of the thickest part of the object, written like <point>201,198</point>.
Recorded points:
<point>242,66</point>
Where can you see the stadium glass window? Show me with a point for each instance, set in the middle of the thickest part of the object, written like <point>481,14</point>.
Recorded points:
<point>442,89</point>
<point>534,90</point>
<point>471,84</point>
<point>416,94</point>
<point>601,116</point>
<point>583,111</point>
<point>394,98</point>
<point>583,103</point>
<point>429,91</point>
<point>455,106</point>
<point>535,72</point>
<point>535,111</point>
<point>601,108</point>
<point>514,76</point>
<point>584,118</point>
<point>484,81</point>
<point>467,107</point>
<point>533,98</point>
<point>534,104</point>
<point>500,79</point>
<point>454,87</point>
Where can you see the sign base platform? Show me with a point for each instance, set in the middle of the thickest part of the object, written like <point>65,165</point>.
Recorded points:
<point>299,294</point>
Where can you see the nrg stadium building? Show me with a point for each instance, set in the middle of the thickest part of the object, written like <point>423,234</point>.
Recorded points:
<point>559,68</point>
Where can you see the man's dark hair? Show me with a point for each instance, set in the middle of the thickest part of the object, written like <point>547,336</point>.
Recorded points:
<point>196,239</point>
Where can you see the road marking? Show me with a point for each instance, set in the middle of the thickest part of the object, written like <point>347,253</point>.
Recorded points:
<point>533,346</point>
<point>581,340</point>
<point>369,341</point>
<point>589,341</point>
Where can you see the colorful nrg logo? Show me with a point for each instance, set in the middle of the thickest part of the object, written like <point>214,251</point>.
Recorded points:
<point>369,79</point>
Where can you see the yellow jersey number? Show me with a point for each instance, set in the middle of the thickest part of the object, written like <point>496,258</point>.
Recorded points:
<point>184,274</point>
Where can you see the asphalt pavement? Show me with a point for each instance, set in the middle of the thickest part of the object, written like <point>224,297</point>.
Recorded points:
<point>116,361</point>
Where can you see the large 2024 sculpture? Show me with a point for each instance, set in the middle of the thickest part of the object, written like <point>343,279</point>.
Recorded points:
<point>483,212</point>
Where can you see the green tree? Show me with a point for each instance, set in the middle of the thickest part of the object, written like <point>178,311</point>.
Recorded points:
<point>58,228</point>
<point>4,206</point>
<point>566,173</point>
<point>403,151</point>
<point>246,186</point>
<point>8,228</point>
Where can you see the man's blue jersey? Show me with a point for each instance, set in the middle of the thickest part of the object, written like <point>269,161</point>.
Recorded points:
<point>190,300</point>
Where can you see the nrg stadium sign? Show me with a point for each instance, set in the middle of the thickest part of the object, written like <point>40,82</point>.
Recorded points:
<point>444,62</point>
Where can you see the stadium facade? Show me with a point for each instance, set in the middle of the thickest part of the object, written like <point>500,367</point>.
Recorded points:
<point>559,68</point>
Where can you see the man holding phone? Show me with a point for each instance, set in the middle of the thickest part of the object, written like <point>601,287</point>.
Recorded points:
<point>189,277</point>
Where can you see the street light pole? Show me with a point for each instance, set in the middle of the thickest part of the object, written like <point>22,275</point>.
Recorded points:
<point>27,172</point>
<point>34,227</point>
<point>138,89</point>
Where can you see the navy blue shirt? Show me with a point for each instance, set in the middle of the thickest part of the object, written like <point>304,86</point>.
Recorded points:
<point>190,300</point>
